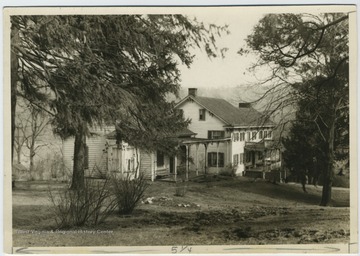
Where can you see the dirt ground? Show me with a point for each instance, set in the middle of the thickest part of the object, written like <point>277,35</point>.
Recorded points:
<point>222,212</point>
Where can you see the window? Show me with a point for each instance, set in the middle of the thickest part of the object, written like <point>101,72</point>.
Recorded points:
<point>213,161</point>
<point>242,136</point>
<point>202,114</point>
<point>260,156</point>
<point>260,134</point>
<point>269,134</point>
<point>235,160</point>
<point>181,112</point>
<point>265,134</point>
<point>216,134</point>
<point>159,159</point>
<point>247,136</point>
<point>241,158</point>
<point>236,136</point>
<point>253,136</point>
<point>248,157</point>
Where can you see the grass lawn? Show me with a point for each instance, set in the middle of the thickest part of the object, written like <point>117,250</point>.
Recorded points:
<point>223,212</point>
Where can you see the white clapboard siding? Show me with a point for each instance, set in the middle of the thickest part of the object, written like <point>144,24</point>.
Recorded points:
<point>97,158</point>
<point>146,164</point>
<point>211,123</point>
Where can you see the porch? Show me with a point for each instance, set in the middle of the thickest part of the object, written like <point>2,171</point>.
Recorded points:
<point>263,160</point>
<point>195,157</point>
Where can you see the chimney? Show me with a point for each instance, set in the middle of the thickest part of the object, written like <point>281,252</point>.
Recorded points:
<point>193,92</point>
<point>244,105</point>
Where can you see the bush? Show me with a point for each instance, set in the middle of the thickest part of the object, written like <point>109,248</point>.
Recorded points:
<point>228,171</point>
<point>128,191</point>
<point>89,206</point>
<point>180,188</point>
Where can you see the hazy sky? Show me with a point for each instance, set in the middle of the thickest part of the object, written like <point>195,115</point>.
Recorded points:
<point>229,71</point>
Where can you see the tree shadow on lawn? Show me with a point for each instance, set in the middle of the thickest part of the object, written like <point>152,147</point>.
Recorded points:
<point>33,217</point>
<point>290,192</point>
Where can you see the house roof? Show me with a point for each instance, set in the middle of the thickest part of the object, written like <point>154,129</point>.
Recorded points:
<point>230,114</point>
<point>184,133</point>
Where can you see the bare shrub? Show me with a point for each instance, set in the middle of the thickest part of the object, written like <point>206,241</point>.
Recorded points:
<point>180,188</point>
<point>89,206</point>
<point>128,191</point>
<point>229,171</point>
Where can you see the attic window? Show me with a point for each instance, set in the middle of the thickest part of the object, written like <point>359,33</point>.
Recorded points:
<point>202,114</point>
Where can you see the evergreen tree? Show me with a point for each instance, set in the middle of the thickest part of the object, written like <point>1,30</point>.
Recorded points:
<point>98,69</point>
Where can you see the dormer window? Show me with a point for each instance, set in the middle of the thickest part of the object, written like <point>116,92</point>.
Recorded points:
<point>202,114</point>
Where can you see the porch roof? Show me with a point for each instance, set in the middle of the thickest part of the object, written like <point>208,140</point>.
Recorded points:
<point>255,146</point>
<point>184,133</point>
<point>203,140</point>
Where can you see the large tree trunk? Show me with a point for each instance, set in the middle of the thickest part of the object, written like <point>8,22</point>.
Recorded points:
<point>329,171</point>
<point>78,179</point>
<point>32,155</point>
<point>14,79</point>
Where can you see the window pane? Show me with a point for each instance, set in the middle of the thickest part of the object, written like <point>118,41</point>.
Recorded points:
<point>201,114</point>
<point>159,158</point>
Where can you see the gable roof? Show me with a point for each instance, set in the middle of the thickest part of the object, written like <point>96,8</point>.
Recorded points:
<point>230,114</point>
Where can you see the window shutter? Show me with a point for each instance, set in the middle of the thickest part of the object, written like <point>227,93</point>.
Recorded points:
<point>209,135</point>
<point>222,134</point>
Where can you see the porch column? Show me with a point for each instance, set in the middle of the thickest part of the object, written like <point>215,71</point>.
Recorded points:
<point>123,162</point>
<point>264,166</point>
<point>152,167</point>
<point>197,160</point>
<point>228,153</point>
<point>187,163</point>
<point>206,157</point>
<point>217,157</point>
<point>175,167</point>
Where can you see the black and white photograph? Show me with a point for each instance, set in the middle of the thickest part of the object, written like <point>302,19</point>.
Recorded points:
<point>180,130</point>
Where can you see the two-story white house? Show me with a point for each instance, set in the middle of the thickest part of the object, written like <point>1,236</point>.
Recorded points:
<point>220,136</point>
<point>225,135</point>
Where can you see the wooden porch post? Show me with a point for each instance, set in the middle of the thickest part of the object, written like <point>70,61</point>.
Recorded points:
<point>175,167</point>
<point>217,157</point>
<point>197,160</point>
<point>228,153</point>
<point>152,167</point>
<point>206,157</point>
<point>187,163</point>
<point>123,163</point>
<point>264,162</point>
